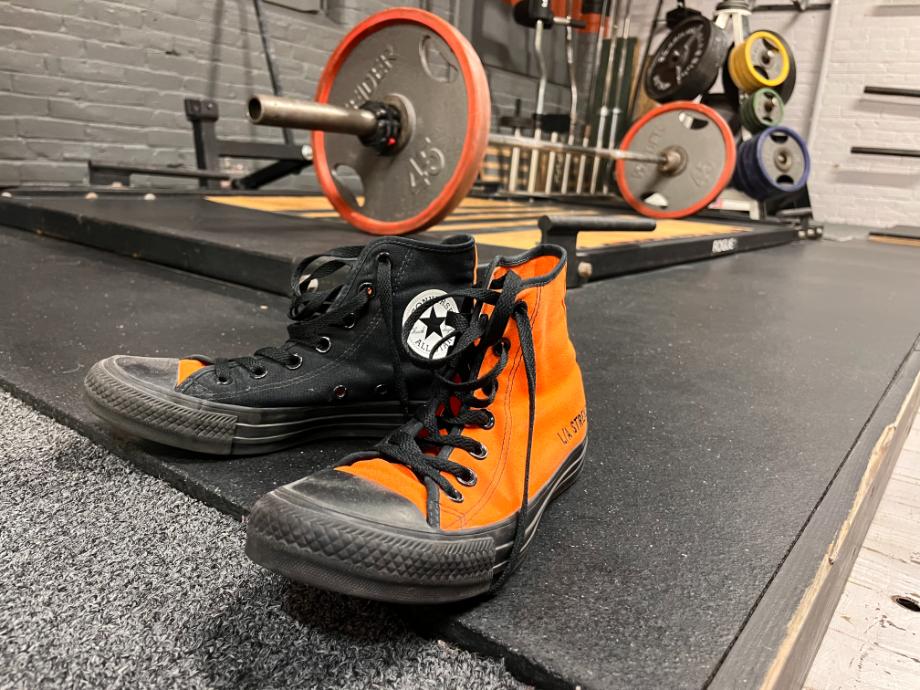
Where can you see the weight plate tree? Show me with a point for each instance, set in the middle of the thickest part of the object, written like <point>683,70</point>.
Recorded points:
<point>698,165</point>
<point>762,109</point>
<point>425,69</point>
<point>773,163</point>
<point>687,62</point>
<point>761,61</point>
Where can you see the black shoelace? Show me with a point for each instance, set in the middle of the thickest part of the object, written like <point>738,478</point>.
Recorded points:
<point>456,404</point>
<point>315,312</point>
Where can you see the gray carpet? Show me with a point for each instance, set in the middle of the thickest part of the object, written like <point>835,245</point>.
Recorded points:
<point>110,578</point>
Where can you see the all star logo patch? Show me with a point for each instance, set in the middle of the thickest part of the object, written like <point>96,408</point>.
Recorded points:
<point>432,325</point>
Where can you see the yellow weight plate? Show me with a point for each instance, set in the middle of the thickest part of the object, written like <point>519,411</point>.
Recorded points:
<point>761,61</point>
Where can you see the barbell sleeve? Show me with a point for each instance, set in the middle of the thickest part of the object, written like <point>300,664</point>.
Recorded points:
<point>294,113</point>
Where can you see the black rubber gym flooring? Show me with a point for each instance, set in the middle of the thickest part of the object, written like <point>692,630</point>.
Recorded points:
<point>728,400</point>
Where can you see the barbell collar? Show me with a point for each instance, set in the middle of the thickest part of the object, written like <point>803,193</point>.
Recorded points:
<point>294,113</point>
<point>559,147</point>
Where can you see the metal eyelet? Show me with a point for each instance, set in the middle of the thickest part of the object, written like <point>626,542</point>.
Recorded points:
<point>367,287</point>
<point>323,345</point>
<point>383,256</point>
<point>489,424</point>
<point>481,453</point>
<point>349,321</point>
<point>299,362</point>
<point>340,391</point>
<point>456,496</point>
<point>261,374</point>
<point>381,389</point>
<point>224,381</point>
<point>471,481</point>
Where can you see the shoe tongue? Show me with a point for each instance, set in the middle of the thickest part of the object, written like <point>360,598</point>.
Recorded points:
<point>329,273</point>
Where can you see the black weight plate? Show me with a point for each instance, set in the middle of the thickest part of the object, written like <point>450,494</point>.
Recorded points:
<point>687,62</point>
<point>786,89</point>
<point>728,84</point>
<point>727,108</point>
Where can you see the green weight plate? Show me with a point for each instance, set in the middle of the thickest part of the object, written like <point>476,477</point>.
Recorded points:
<point>762,109</point>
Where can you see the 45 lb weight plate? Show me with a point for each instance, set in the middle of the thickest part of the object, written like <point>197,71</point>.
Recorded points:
<point>688,61</point>
<point>699,156</point>
<point>426,69</point>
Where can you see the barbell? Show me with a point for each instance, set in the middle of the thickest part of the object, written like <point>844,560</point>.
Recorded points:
<point>403,107</point>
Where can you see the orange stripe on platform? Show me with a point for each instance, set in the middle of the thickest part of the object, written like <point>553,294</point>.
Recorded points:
<point>275,204</point>
<point>666,230</point>
<point>902,241</point>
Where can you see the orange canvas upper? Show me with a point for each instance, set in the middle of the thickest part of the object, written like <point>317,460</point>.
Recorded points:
<point>560,419</point>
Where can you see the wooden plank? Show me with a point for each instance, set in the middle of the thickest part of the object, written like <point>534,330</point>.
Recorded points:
<point>872,641</point>
<point>779,642</point>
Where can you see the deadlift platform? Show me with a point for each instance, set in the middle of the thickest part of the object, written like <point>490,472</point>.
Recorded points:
<point>745,414</point>
<point>255,240</point>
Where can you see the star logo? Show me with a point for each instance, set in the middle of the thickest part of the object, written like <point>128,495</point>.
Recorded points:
<point>433,325</point>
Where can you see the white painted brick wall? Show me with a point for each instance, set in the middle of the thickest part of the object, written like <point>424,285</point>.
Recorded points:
<point>872,43</point>
<point>106,79</point>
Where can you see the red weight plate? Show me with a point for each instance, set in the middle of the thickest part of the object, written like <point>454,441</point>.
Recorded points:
<point>477,128</point>
<point>724,177</point>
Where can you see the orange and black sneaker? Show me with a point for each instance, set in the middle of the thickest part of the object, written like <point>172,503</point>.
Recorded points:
<point>342,372</point>
<point>446,505</point>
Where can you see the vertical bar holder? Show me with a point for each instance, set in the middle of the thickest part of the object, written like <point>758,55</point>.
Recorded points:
<point>203,114</point>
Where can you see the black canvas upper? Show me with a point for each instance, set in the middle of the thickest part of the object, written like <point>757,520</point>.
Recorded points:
<point>342,348</point>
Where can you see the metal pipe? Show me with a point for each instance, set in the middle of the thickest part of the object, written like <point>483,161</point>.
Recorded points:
<point>616,112</point>
<point>541,100</point>
<point>558,147</point>
<point>270,63</point>
<point>550,166</point>
<point>592,91</point>
<point>608,82</point>
<point>297,114</point>
<point>643,66</point>
<point>573,100</point>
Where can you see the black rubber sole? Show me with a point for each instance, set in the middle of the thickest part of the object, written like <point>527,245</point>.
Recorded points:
<point>202,426</point>
<point>345,554</point>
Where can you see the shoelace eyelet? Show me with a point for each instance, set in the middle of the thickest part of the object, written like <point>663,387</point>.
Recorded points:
<point>383,256</point>
<point>381,389</point>
<point>471,481</point>
<point>323,345</point>
<point>489,424</point>
<point>349,321</point>
<point>455,496</point>
<point>340,391</point>
<point>367,287</point>
<point>481,453</point>
<point>223,381</point>
<point>297,365</point>
<point>259,373</point>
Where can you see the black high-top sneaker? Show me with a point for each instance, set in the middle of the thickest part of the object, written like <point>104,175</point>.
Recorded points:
<point>342,371</point>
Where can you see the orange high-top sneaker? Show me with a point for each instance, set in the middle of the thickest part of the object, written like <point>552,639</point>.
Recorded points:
<point>445,506</point>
